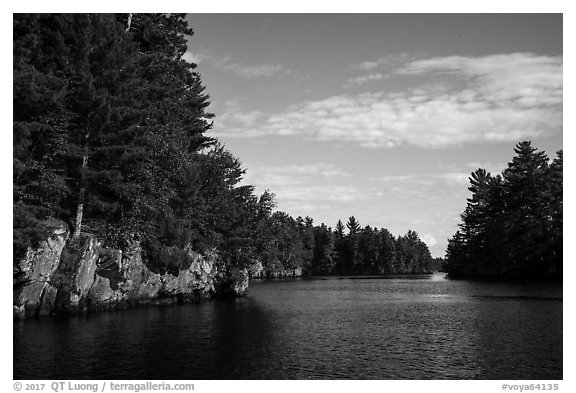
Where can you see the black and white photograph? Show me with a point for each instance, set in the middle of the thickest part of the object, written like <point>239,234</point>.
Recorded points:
<point>287,196</point>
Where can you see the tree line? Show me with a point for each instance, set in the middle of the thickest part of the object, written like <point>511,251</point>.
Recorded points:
<point>110,136</point>
<point>512,224</point>
<point>289,244</point>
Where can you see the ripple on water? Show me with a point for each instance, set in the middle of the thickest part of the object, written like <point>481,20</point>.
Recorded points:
<point>399,328</point>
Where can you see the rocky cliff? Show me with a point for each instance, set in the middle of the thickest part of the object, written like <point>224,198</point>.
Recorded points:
<point>62,277</point>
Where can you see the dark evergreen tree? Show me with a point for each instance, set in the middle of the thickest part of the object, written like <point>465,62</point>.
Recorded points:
<point>286,249</point>
<point>554,207</point>
<point>308,238</point>
<point>387,252</point>
<point>512,225</point>
<point>524,184</point>
<point>368,251</point>
<point>352,261</point>
<point>40,124</point>
<point>340,248</point>
<point>323,257</point>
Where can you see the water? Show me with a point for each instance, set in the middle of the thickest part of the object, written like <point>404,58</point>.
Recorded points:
<point>398,328</point>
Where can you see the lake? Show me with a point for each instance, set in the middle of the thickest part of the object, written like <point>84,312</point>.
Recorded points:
<point>418,327</point>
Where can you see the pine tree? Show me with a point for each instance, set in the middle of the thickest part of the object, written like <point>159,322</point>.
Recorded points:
<point>308,238</point>
<point>340,253</point>
<point>323,256</point>
<point>387,252</point>
<point>352,262</point>
<point>555,212</point>
<point>40,123</point>
<point>524,185</point>
<point>512,223</point>
<point>109,126</point>
<point>368,251</point>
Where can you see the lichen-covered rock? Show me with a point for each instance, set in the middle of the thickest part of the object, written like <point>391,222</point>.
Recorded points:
<point>200,275</point>
<point>149,289</point>
<point>138,282</point>
<point>33,273</point>
<point>126,280</point>
<point>238,281</point>
<point>75,275</point>
<point>18,312</point>
<point>29,297</point>
<point>256,270</point>
<point>122,279</point>
<point>109,265</point>
<point>196,281</point>
<point>101,295</point>
<point>48,300</point>
<point>39,264</point>
<point>82,275</point>
<point>284,273</point>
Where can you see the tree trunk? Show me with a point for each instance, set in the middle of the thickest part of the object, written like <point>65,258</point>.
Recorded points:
<point>80,207</point>
<point>129,22</point>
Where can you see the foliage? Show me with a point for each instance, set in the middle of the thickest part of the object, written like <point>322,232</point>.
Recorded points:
<point>359,251</point>
<point>512,225</point>
<point>109,136</point>
<point>109,119</point>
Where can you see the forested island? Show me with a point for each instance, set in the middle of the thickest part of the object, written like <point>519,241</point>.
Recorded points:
<point>512,225</point>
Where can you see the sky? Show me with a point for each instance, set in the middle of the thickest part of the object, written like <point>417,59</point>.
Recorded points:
<point>379,116</point>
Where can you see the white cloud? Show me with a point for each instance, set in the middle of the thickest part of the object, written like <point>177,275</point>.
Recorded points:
<point>195,57</point>
<point>367,66</point>
<point>456,172</point>
<point>386,61</point>
<point>398,178</point>
<point>258,71</point>
<point>428,239</point>
<point>420,182</point>
<point>455,178</point>
<point>360,80</point>
<point>290,175</point>
<point>490,99</point>
<point>304,188</point>
<point>321,194</point>
<point>227,63</point>
<point>493,168</point>
<point>233,113</point>
<point>524,78</point>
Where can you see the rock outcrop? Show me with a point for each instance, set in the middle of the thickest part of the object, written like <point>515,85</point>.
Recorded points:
<point>237,282</point>
<point>297,272</point>
<point>32,291</point>
<point>63,277</point>
<point>258,271</point>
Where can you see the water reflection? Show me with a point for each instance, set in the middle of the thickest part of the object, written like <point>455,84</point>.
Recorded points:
<point>400,328</point>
